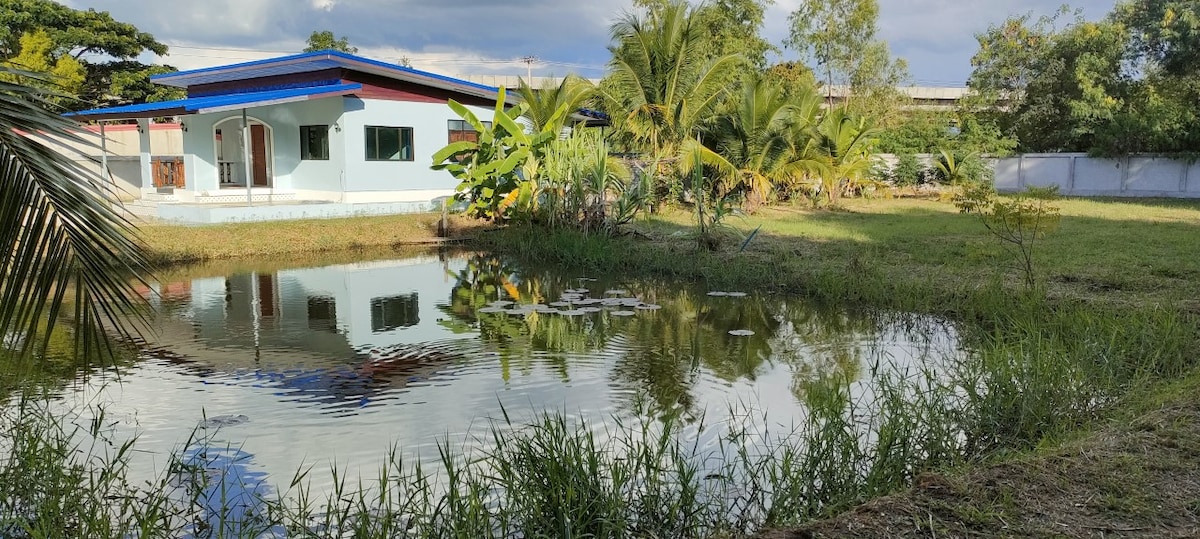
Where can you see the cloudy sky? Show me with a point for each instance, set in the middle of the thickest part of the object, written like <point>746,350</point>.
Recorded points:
<point>460,37</point>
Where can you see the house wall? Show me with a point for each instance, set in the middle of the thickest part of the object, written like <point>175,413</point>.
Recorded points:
<point>289,171</point>
<point>347,176</point>
<point>400,181</point>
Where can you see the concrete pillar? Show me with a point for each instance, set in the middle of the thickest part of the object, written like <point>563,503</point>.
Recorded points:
<point>246,157</point>
<point>104,154</point>
<point>1183,174</point>
<point>143,127</point>
<point>1071,177</point>
<point>1021,172</point>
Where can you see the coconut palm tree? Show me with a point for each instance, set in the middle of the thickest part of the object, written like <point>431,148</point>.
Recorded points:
<point>542,104</point>
<point>63,240</point>
<point>660,79</point>
<point>756,144</point>
<point>842,144</point>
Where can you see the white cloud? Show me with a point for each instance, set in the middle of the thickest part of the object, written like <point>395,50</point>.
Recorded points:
<point>488,36</point>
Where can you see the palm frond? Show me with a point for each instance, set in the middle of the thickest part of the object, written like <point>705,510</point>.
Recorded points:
<point>61,234</point>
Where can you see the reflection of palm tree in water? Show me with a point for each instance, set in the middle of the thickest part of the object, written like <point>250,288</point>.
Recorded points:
<point>660,355</point>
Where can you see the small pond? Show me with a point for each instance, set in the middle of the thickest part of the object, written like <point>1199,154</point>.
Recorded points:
<point>311,366</point>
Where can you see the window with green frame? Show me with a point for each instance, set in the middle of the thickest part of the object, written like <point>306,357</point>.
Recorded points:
<point>388,143</point>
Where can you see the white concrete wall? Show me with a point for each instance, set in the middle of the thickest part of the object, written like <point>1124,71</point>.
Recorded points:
<point>378,181</point>
<point>1076,174</point>
<point>165,140</point>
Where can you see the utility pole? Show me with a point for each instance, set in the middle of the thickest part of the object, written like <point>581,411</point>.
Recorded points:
<point>529,61</point>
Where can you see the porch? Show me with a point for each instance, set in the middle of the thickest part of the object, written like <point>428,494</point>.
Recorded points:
<point>229,146</point>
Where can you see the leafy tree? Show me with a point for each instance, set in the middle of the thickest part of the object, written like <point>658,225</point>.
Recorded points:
<point>105,47</point>
<point>792,77</point>
<point>840,35</point>
<point>75,32</point>
<point>321,40</point>
<point>60,232</point>
<point>1066,88</point>
<point>65,74</point>
<point>129,82</point>
<point>1164,46</point>
<point>1166,33</point>
<point>1009,55</point>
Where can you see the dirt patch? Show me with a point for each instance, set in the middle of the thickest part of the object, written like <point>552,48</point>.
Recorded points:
<point>1136,480</point>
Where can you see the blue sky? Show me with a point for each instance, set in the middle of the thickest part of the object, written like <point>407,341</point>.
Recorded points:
<point>459,37</point>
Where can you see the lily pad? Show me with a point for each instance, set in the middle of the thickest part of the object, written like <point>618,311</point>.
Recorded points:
<point>560,304</point>
<point>616,292</point>
<point>501,303</point>
<point>590,309</point>
<point>622,313</point>
<point>649,307</point>
<point>741,332</point>
<point>736,294</point>
<point>493,309</point>
<point>718,293</point>
<point>218,421</point>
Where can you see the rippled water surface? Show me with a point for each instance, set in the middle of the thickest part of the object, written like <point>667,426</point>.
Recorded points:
<point>336,364</point>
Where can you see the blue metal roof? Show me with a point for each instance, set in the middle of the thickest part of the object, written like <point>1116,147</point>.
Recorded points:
<point>217,103</point>
<point>317,61</point>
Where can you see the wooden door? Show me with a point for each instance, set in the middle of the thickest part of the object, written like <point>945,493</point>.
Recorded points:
<point>258,152</point>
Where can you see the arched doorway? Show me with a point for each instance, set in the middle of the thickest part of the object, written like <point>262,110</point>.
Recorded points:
<point>230,147</point>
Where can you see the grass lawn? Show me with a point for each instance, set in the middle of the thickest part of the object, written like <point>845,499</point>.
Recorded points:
<point>177,244</point>
<point>1104,250</point>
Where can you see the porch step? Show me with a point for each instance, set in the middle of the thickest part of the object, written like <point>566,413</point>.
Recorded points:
<point>159,197</point>
<point>240,198</point>
<point>140,210</point>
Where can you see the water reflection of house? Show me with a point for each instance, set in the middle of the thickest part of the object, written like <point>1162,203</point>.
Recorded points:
<point>330,317</point>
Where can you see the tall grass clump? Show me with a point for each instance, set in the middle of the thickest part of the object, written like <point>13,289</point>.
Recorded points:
<point>50,488</point>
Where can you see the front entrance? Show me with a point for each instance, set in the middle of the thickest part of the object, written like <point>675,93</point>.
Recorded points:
<point>231,166</point>
<point>258,153</point>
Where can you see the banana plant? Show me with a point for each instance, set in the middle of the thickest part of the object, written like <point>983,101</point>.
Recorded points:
<point>493,169</point>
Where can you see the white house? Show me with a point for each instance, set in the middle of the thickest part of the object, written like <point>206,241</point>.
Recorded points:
<point>320,134</point>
